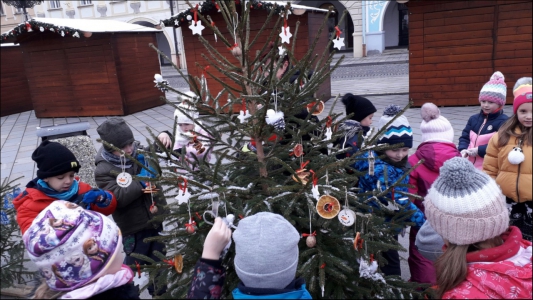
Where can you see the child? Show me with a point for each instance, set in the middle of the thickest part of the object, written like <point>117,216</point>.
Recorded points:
<point>362,111</point>
<point>266,258</point>
<point>509,158</point>
<point>480,127</point>
<point>56,180</point>
<point>188,134</point>
<point>134,211</point>
<point>63,267</point>
<point>394,163</point>
<point>437,147</point>
<point>484,257</point>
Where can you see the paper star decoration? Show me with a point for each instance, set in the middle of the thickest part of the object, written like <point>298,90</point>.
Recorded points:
<point>338,43</point>
<point>286,38</point>
<point>176,23</point>
<point>197,29</point>
<point>282,50</point>
<point>243,116</point>
<point>328,134</point>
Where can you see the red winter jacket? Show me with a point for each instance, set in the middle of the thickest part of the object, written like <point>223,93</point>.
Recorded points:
<point>32,201</point>
<point>502,272</point>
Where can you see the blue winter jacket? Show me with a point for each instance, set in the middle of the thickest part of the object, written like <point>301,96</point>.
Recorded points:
<point>369,182</point>
<point>493,123</point>
<point>296,290</point>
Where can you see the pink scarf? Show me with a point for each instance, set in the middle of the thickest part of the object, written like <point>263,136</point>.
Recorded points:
<point>103,284</point>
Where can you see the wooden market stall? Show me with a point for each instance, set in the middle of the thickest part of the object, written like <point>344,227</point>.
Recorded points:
<point>14,92</point>
<point>455,46</point>
<point>82,67</point>
<point>310,19</point>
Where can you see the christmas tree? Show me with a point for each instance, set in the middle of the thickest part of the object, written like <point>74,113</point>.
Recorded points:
<point>275,156</point>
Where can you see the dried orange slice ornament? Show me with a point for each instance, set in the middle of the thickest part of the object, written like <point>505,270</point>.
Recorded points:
<point>328,207</point>
<point>178,263</point>
<point>315,111</point>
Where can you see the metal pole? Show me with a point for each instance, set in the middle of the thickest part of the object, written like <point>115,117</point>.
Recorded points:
<point>174,31</point>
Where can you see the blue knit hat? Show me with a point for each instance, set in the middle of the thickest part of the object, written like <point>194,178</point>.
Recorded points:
<point>398,131</point>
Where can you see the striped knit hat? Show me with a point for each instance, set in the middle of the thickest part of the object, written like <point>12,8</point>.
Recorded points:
<point>464,205</point>
<point>399,131</point>
<point>521,92</point>
<point>495,90</point>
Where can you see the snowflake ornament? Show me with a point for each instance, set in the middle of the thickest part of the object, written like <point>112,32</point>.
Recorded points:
<point>244,115</point>
<point>282,50</point>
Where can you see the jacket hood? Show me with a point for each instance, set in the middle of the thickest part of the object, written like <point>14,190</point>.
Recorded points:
<point>99,157</point>
<point>435,154</point>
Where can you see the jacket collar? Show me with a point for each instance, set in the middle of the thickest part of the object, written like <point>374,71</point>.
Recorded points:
<point>493,115</point>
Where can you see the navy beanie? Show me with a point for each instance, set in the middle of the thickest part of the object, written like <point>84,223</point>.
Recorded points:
<point>54,159</point>
<point>359,106</point>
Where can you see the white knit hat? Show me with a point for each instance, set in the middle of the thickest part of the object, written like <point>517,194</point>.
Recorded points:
<point>434,127</point>
<point>464,205</point>
<point>186,106</point>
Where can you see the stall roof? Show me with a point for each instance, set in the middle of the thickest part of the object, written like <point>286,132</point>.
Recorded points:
<point>72,26</point>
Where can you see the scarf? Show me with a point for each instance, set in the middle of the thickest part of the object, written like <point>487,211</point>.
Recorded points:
<point>50,192</point>
<point>116,160</point>
<point>103,284</point>
<point>510,247</point>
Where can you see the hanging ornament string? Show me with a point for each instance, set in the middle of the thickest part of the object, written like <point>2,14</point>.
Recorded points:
<point>216,5</point>
<point>337,32</point>
<point>213,25</point>
<point>243,106</point>
<point>329,122</point>
<point>195,15</point>
<point>276,99</point>
<point>285,23</point>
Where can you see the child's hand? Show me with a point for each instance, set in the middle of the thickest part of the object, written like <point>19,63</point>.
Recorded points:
<point>464,153</point>
<point>472,152</point>
<point>98,196</point>
<point>217,238</point>
<point>165,139</point>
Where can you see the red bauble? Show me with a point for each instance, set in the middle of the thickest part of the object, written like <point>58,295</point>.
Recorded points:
<point>191,229</point>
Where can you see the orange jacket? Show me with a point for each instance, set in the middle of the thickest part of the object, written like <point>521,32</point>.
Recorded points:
<point>32,201</point>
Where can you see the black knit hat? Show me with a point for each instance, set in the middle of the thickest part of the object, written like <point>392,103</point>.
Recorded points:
<point>359,106</point>
<point>54,159</point>
<point>115,131</point>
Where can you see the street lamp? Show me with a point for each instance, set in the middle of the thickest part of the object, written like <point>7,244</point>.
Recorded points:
<point>22,4</point>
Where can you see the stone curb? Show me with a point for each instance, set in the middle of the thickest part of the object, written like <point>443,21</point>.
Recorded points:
<point>372,63</point>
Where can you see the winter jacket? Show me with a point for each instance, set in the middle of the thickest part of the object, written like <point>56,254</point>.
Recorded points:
<point>434,155</point>
<point>133,205</point>
<point>477,133</point>
<point>350,129</point>
<point>502,272</point>
<point>209,276</point>
<point>514,180</point>
<point>32,201</point>
<point>368,183</point>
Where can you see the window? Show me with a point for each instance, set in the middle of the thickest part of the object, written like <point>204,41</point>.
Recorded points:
<point>86,2</point>
<point>55,4</point>
<point>2,10</point>
<point>18,10</point>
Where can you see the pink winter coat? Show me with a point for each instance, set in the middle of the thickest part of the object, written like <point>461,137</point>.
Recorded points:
<point>434,155</point>
<point>502,272</point>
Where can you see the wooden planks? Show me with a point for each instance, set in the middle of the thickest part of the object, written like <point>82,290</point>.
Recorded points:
<point>14,92</point>
<point>455,46</point>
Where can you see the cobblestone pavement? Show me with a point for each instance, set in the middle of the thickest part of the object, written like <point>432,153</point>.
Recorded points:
<point>383,70</point>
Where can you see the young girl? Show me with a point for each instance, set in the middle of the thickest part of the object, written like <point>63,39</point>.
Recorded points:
<point>480,127</point>
<point>437,147</point>
<point>395,164</point>
<point>56,180</point>
<point>188,134</point>
<point>62,266</point>
<point>509,158</point>
<point>362,111</point>
<point>483,256</point>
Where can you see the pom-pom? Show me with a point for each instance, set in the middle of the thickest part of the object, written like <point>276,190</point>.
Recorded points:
<point>516,156</point>
<point>458,172</point>
<point>497,76</point>
<point>392,110</point>
<point>429,111</point>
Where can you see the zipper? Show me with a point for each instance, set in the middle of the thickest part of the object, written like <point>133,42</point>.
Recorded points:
<point>478,133</point>
<point>518,176</point>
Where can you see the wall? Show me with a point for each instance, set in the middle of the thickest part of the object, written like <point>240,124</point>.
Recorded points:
<point>456,46</point>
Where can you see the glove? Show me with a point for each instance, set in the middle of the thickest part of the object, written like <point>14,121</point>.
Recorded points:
<point>97,196</point>
<point>464,153</point>
<point>472,152</point>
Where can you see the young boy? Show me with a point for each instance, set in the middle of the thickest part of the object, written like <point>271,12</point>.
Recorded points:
<point>134,214</point>
<point>395,164</point>
<point>362,111</point>
<point>482,126</point>
<point>266,258</point>
<point>56,180</point>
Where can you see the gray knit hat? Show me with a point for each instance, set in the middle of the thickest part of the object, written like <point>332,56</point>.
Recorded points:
<point>465,205</point>
<point>266,247</point>
<point>115,131</point>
